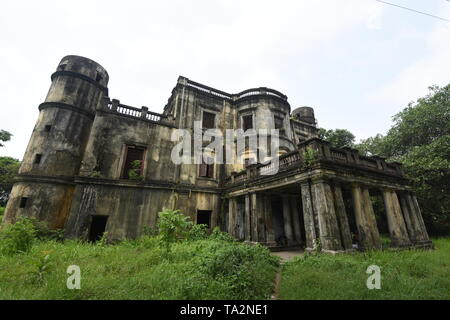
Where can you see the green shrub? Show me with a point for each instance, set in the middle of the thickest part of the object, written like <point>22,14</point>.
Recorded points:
<point>135,172</point>
<point>18,237</point>
<point>198,232</point>
<point>172,226</point>
<point>216,234</point>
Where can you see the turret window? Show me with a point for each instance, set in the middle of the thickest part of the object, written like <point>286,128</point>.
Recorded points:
<point>278,123</point>
<point>23,202</point>
<point>38,158</point>
<point>48,127</point>
<point>247,122</point>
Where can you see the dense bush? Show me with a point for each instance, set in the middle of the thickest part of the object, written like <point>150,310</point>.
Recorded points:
<point>18,237</point>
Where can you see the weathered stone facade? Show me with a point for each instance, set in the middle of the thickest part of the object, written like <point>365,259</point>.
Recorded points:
<point>74,172</point>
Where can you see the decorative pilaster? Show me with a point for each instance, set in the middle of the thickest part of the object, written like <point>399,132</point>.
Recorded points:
<point>396,222</point>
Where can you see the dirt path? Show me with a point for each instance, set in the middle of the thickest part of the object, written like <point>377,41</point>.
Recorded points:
<point>285,256</point>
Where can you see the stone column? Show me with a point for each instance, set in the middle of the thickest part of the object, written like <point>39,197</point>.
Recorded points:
<point>296,220</point>
<point>232,217</point>
<point>396,223</point>
<point>260,218</point>
<point>270,236</point>
<point>409,219</point>
<point>419,225</point>
<point>247,223</point>
<point>288,230</point>
<point>365,218</point>
<point>254,217</point>
<point>308,216</point>
<point>323,204</point>
<point>346,236</point>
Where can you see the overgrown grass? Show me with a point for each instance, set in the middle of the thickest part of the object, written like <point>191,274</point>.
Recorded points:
<point>140,269</point>
<point>408,274</point>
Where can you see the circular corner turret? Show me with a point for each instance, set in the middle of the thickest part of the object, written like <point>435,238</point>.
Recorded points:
<point>305,114</point>
<point>84,67</point>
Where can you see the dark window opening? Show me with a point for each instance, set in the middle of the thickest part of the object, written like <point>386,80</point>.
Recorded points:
<point>208,120</point>
<point>23,202</point>
<point>62,67</point>
<point>278,123</point>
<point>204,217</point>
<point>247,122</point>
<point>205,169</point>
<point>131,166</point>
<point>99,77</point>
<point>38,158</point>
<point>48,127</point>
<point>98,227</point>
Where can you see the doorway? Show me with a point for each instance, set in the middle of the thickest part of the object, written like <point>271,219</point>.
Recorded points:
<point>98,227</point>
<point>204,217</point>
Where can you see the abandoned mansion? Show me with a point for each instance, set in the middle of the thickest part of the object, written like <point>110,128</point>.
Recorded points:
<point>95,165</point>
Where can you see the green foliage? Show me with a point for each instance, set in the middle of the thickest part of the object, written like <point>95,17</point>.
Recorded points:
<point>18,237</point>
<point>4,136</point>
<point>309,157</point>
<point>216,234</point>
<point>407,274</point>
<point>135,172</point>
<point>41,267</point>
<point>9,167</point>
<point>338,138</point>
<point>197,232</point>
<point>2,212</point>
<point>141,269</point>
<point>172,227</point>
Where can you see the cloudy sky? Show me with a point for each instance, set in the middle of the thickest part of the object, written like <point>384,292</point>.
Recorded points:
<point>357,62</point>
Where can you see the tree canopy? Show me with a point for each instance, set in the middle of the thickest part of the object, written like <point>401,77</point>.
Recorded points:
<point>338,138</point>
<point>4,136</point>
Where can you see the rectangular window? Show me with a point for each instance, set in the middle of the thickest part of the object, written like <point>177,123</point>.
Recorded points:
<point>247,122</point>
<point>23,202</point>
<point>206,170</point>
<point>278,123</point>
<point>204,217</point>
<point>208,120</point>
<point>131,167</point>
<point>38,158</point>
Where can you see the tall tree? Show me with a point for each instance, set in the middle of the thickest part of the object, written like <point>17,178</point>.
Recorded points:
<point>338,138</point>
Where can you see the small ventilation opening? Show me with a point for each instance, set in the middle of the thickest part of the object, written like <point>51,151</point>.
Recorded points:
<point>48,127</point>
<point>38,158</point>
<point>23,202</point>
<point>204,217</point>
<point>98,227</point>
<point>99,77</point>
